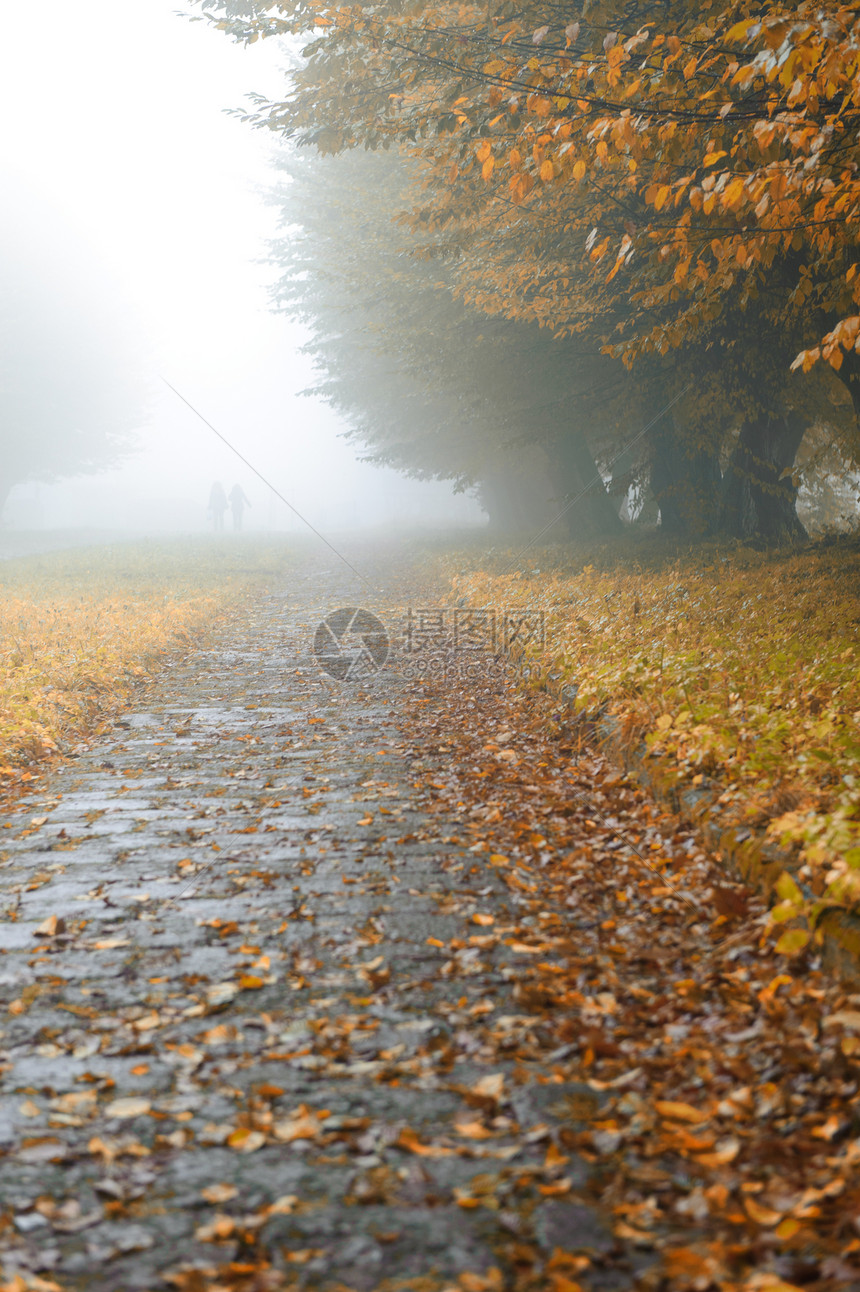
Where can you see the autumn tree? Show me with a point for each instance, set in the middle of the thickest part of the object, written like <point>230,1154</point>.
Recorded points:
<point>429,385</point>
<point>679,184</point>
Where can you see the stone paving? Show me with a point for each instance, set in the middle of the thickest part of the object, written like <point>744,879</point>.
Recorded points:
<point>230,1028</point>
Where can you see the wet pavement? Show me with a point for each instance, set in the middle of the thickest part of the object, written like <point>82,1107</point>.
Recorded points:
<point>247,1001</point>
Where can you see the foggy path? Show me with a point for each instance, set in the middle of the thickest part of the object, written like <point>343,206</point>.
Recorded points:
<point>242,991</point>
<point>305,984</point>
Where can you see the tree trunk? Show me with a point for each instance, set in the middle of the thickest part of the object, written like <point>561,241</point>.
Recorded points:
<point>619,485</point>
<point>588,510</point>
<point>757,501</point>
<point>516,499</point>
<point>686,482</point>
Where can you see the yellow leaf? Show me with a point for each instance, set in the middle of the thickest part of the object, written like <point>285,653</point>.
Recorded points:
<point>245,1140</point>
<point>488,167</point>
<point>792,941</point>
<point>547,171</point>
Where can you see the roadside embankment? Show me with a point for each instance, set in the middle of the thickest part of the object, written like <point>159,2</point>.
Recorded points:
<point>727,679</point>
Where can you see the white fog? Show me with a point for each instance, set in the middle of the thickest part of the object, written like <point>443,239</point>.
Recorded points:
<point>124,158</point>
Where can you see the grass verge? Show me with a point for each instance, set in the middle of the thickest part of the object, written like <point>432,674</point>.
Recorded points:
<point>733,666</point>
<point>82,630</point>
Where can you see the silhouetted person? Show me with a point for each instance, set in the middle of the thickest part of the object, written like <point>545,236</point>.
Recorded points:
<point>217,504</point>
<point>238,503</point>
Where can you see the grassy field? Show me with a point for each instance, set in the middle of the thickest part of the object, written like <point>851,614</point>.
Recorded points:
<point>82,630</point>
<point>735,666</point>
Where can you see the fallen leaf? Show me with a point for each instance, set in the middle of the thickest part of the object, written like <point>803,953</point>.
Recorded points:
<point>217,1193</point>
<point>472,1130</point>
<point>246,1141</point>
<point>409,1140</point>
<point>491,1086</point>
<point>125,1108</point>
<point>675,1111</point>
<point>303,1124</point>
<point>52,927</point>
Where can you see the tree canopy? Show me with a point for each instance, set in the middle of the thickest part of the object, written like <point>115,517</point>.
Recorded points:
<point>676,186</point>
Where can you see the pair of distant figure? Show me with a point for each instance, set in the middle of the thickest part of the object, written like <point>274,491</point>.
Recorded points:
<point>219,501</point>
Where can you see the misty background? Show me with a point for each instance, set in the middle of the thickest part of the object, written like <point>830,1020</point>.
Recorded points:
<point>134,202</point>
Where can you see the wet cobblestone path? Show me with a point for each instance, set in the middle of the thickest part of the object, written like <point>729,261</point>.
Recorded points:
<point>222,950</point>
<point>369,985</point>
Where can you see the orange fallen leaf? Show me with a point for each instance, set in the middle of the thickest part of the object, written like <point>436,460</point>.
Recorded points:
<point>147,1023</point>
<point>268,1091</point>
<point>472,1130</point>
<point>219,1192</point>
<point>555,1157</point>
<point>673,1110</point>
<point>761,1215</point>
<point>490,1086</point>
<point>724,1152</point>
<point>220,1034</point>
<point>303,1124</point>
<point>409,1140</point>
<point>484,920</point>
<point>217,1230</point>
